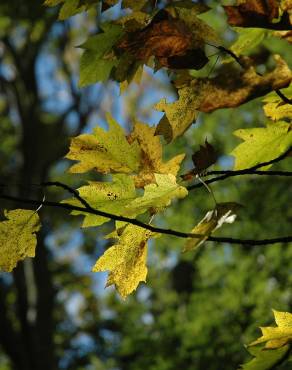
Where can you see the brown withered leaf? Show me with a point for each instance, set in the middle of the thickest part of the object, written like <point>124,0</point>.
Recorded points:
<point>236,88</point>
<point>258,13</point>
<point>229,89</point>
<point>168,39</point>
<point>204,157</point>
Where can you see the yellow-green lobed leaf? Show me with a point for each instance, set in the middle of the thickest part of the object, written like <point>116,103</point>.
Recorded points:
<point>110,197</point>
<point>17,237</point>
<point>158,196</point>
<point>179,115</point>
<point>152,161</point>
<point>276,337</point>
<point>262,144</point>
<point>126,260</point>
<point>275,108</point>
<point>104,151</point>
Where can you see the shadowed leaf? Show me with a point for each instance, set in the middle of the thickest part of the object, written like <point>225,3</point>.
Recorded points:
<point>204,157</point>
<point>258,13</point>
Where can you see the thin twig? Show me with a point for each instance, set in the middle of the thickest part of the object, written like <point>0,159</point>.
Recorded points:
<point>136,222</point>
<point>247,171</point>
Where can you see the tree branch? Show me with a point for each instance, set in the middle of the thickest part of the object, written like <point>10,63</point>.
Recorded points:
<point>247,171</point>
<point>136,222</point>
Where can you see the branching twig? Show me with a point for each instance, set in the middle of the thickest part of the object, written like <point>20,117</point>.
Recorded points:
<point>247,171</point>
<point>136,222</point>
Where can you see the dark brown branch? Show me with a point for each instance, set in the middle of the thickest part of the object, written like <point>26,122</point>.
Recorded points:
<point>247,171</point>
<point>136,222</point>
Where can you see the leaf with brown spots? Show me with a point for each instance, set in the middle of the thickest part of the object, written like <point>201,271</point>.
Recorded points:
<point>126,260</point>
<point>104,151</point>
<point>151,155</point>
<point>227,90</point>
<point>258,13</point>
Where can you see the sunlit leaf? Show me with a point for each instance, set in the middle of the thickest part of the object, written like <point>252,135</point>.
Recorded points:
<point>236,87</point>
<point>104,151</point>
<point>126,260</point>
<point>274,344</point>
<point>159,195</point>
<point>151,155</point>
<point>276,337</point>
<point>275,108</point>
<point>110,197</point>
<point>17,237</point>
<point>226,90</point>
<point>262,144</point>
<point>180,114</point>
<point>248,39</point>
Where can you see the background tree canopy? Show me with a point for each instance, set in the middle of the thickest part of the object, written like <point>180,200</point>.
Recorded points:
<point>115,86</point>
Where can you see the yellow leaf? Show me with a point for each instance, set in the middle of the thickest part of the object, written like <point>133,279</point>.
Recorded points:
<point>126,260</point>
<point>213,220</point>
<point>275,108</point>
<point>179,115</point>
<point>110,197</point>
<point>104,151</point>
<point>158,196</point>
<point>151,149</point>
<point>276,337</point>
<point>119,197</point>
<point>17,237</point>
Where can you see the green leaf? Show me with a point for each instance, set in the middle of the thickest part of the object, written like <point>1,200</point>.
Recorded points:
<point>104,151</point>
<point>17,237</point>
<point>119,197</point>
<point>265,359</point>
<point>248,39</point>
<point>104,41</point>
<point>262,144</point>
<point>98,59</point>
<point>126,260</point>
<point>213,220</point>
<point>71,7</point>
<point>94,69</point>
